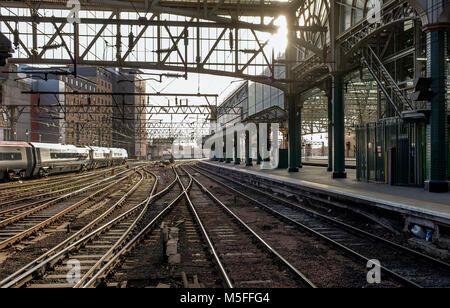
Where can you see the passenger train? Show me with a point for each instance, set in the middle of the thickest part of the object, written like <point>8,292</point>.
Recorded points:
<point>20,160</point>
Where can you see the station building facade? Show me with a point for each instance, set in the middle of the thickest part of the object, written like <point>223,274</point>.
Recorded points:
<point>24,117</point>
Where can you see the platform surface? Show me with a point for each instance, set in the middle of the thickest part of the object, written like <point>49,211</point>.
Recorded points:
<point>403,198</point>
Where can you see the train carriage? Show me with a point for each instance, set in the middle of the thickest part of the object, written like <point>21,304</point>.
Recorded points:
<point>100,157</point>
<point>19,160</point>
<point>16,160</point>
<point>58,158</point>
<point>118,156</point>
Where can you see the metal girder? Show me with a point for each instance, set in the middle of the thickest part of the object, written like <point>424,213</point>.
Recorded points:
<point>177,125</point>
<point>154,42</point>
<point>152,126</point>
<point>305,44</point>
<point>392,13</point>
<point>195,8</point>
<point>113,20</point>
<point>178,132</point>
<point>193,110</point>
<point>145,109</point>
<point>315,67</point>
<point>154,94</point>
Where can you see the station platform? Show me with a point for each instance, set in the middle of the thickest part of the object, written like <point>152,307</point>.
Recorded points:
<point>408,201</point>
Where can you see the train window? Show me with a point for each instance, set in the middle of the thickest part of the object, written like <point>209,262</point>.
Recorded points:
<point>10,156</point>
<point>64,155</point>
<point>38,151</point>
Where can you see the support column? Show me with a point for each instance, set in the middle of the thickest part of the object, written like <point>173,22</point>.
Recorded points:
<point>228,155</point>
<point>294,126</point>
<point>299,136</point>
<point>224,149</point>
<point>258,151</point>
<point>437,71</point>
<point>237,157</point>
<point>213,149</point>
<point>338,128</point>
<point>330,133</point>
<point>294,132</point>
<point>269,144</point>
<point>248,157</point>
<point>337,93</point>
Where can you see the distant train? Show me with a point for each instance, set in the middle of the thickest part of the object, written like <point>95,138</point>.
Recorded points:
<point>167,158</point>
<point>20,160</point>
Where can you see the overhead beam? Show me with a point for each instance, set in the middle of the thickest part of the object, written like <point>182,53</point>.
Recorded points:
<point>121,94</point>
<point>149,22</point>
<point>182,7</point>
<point>299,43</point>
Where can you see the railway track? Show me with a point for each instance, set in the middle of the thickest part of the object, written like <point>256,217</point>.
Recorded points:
<point>408,267</point>
<point>147,265</point>
<point>19,201</point>
<point>228,246</point>
<point>9,188</point>
<point>93,245</point>
<point>229,260</point>
<point>18,224</point>
<point>243,257</point>
<point>44,190</point>
<point>143,263</point>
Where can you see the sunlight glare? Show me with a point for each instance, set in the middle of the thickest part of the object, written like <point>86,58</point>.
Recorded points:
<point>279,40</point>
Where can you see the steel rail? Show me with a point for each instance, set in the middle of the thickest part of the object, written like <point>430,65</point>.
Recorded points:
<point>41,187</point>
<point>213,251</point>
<point>4,187</point>
<point>79,183</point>
<point>24,207</point>
<point>121,240</point>
<point>75,241</point>
<point>300,275</point>
<point>50,258</point>
<point>50,220</point>
<point>114,258</point>
<point>348,227</point>
<point>13,219</point>
<point>17,185</point>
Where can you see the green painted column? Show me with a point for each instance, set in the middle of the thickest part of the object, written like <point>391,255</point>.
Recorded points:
<point>258,151</point>
<point>330,133</point>
<point>299,137</point>
<point>437,70</point>
<point>269,145</point>
<point>237,157</point>
<point>248,158</point>
<point>294,132</point>
<point>338,128</point>
<point>213,149</point>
